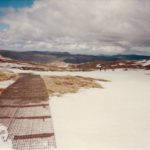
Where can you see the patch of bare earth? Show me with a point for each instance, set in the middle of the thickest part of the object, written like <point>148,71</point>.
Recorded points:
<point>59,85</point>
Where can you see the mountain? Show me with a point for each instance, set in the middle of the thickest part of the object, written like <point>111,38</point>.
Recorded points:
<point>48,57</point>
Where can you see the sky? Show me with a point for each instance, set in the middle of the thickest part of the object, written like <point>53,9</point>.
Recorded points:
<point>16,3</point>
<point>76,26</point>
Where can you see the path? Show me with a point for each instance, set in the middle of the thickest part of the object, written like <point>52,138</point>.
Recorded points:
<point>25,110</point>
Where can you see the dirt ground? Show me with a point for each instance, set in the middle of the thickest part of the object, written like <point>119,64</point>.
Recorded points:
<point>59,85</point>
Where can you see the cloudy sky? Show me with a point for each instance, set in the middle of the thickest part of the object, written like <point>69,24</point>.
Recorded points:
<point>76,26</point>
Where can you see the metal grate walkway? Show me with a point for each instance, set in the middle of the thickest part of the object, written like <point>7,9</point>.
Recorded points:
<point>24,109</point>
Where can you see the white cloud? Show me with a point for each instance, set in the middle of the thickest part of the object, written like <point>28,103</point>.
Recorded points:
<point>85,26</point>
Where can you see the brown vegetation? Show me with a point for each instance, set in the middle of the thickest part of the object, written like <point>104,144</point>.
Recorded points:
<point>58,85</point>
<point>7,76</point>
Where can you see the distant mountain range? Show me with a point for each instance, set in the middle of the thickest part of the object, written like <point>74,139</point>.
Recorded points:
<point>47,57</point>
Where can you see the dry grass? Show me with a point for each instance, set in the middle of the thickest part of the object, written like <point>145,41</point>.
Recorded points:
<point>7,76</point>
<point>58,85</point>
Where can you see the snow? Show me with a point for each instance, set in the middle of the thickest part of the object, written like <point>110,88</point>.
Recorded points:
<point>98,66</point>
<point>13,65</point>
<point>80,73</point>
<point>6,83</point>
<point>5,143</point>
<point>113,118</point>
<point>144,62</point>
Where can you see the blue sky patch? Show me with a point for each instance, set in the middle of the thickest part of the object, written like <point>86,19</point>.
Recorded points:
<point>16,3</point>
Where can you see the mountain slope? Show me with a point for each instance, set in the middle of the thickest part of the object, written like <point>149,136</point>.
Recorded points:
<point>47,57</point>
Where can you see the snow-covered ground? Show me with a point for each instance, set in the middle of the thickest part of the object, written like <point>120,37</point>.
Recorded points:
<point>114,118</point>
<point>13,65</point>
<point>144,62</point>
<point>5,84</point>
<point>5,143</point>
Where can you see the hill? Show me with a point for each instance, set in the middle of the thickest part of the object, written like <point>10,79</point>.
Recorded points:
<point>47,57</point>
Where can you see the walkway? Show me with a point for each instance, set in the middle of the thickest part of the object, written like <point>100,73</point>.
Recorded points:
<point>25,110</point>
